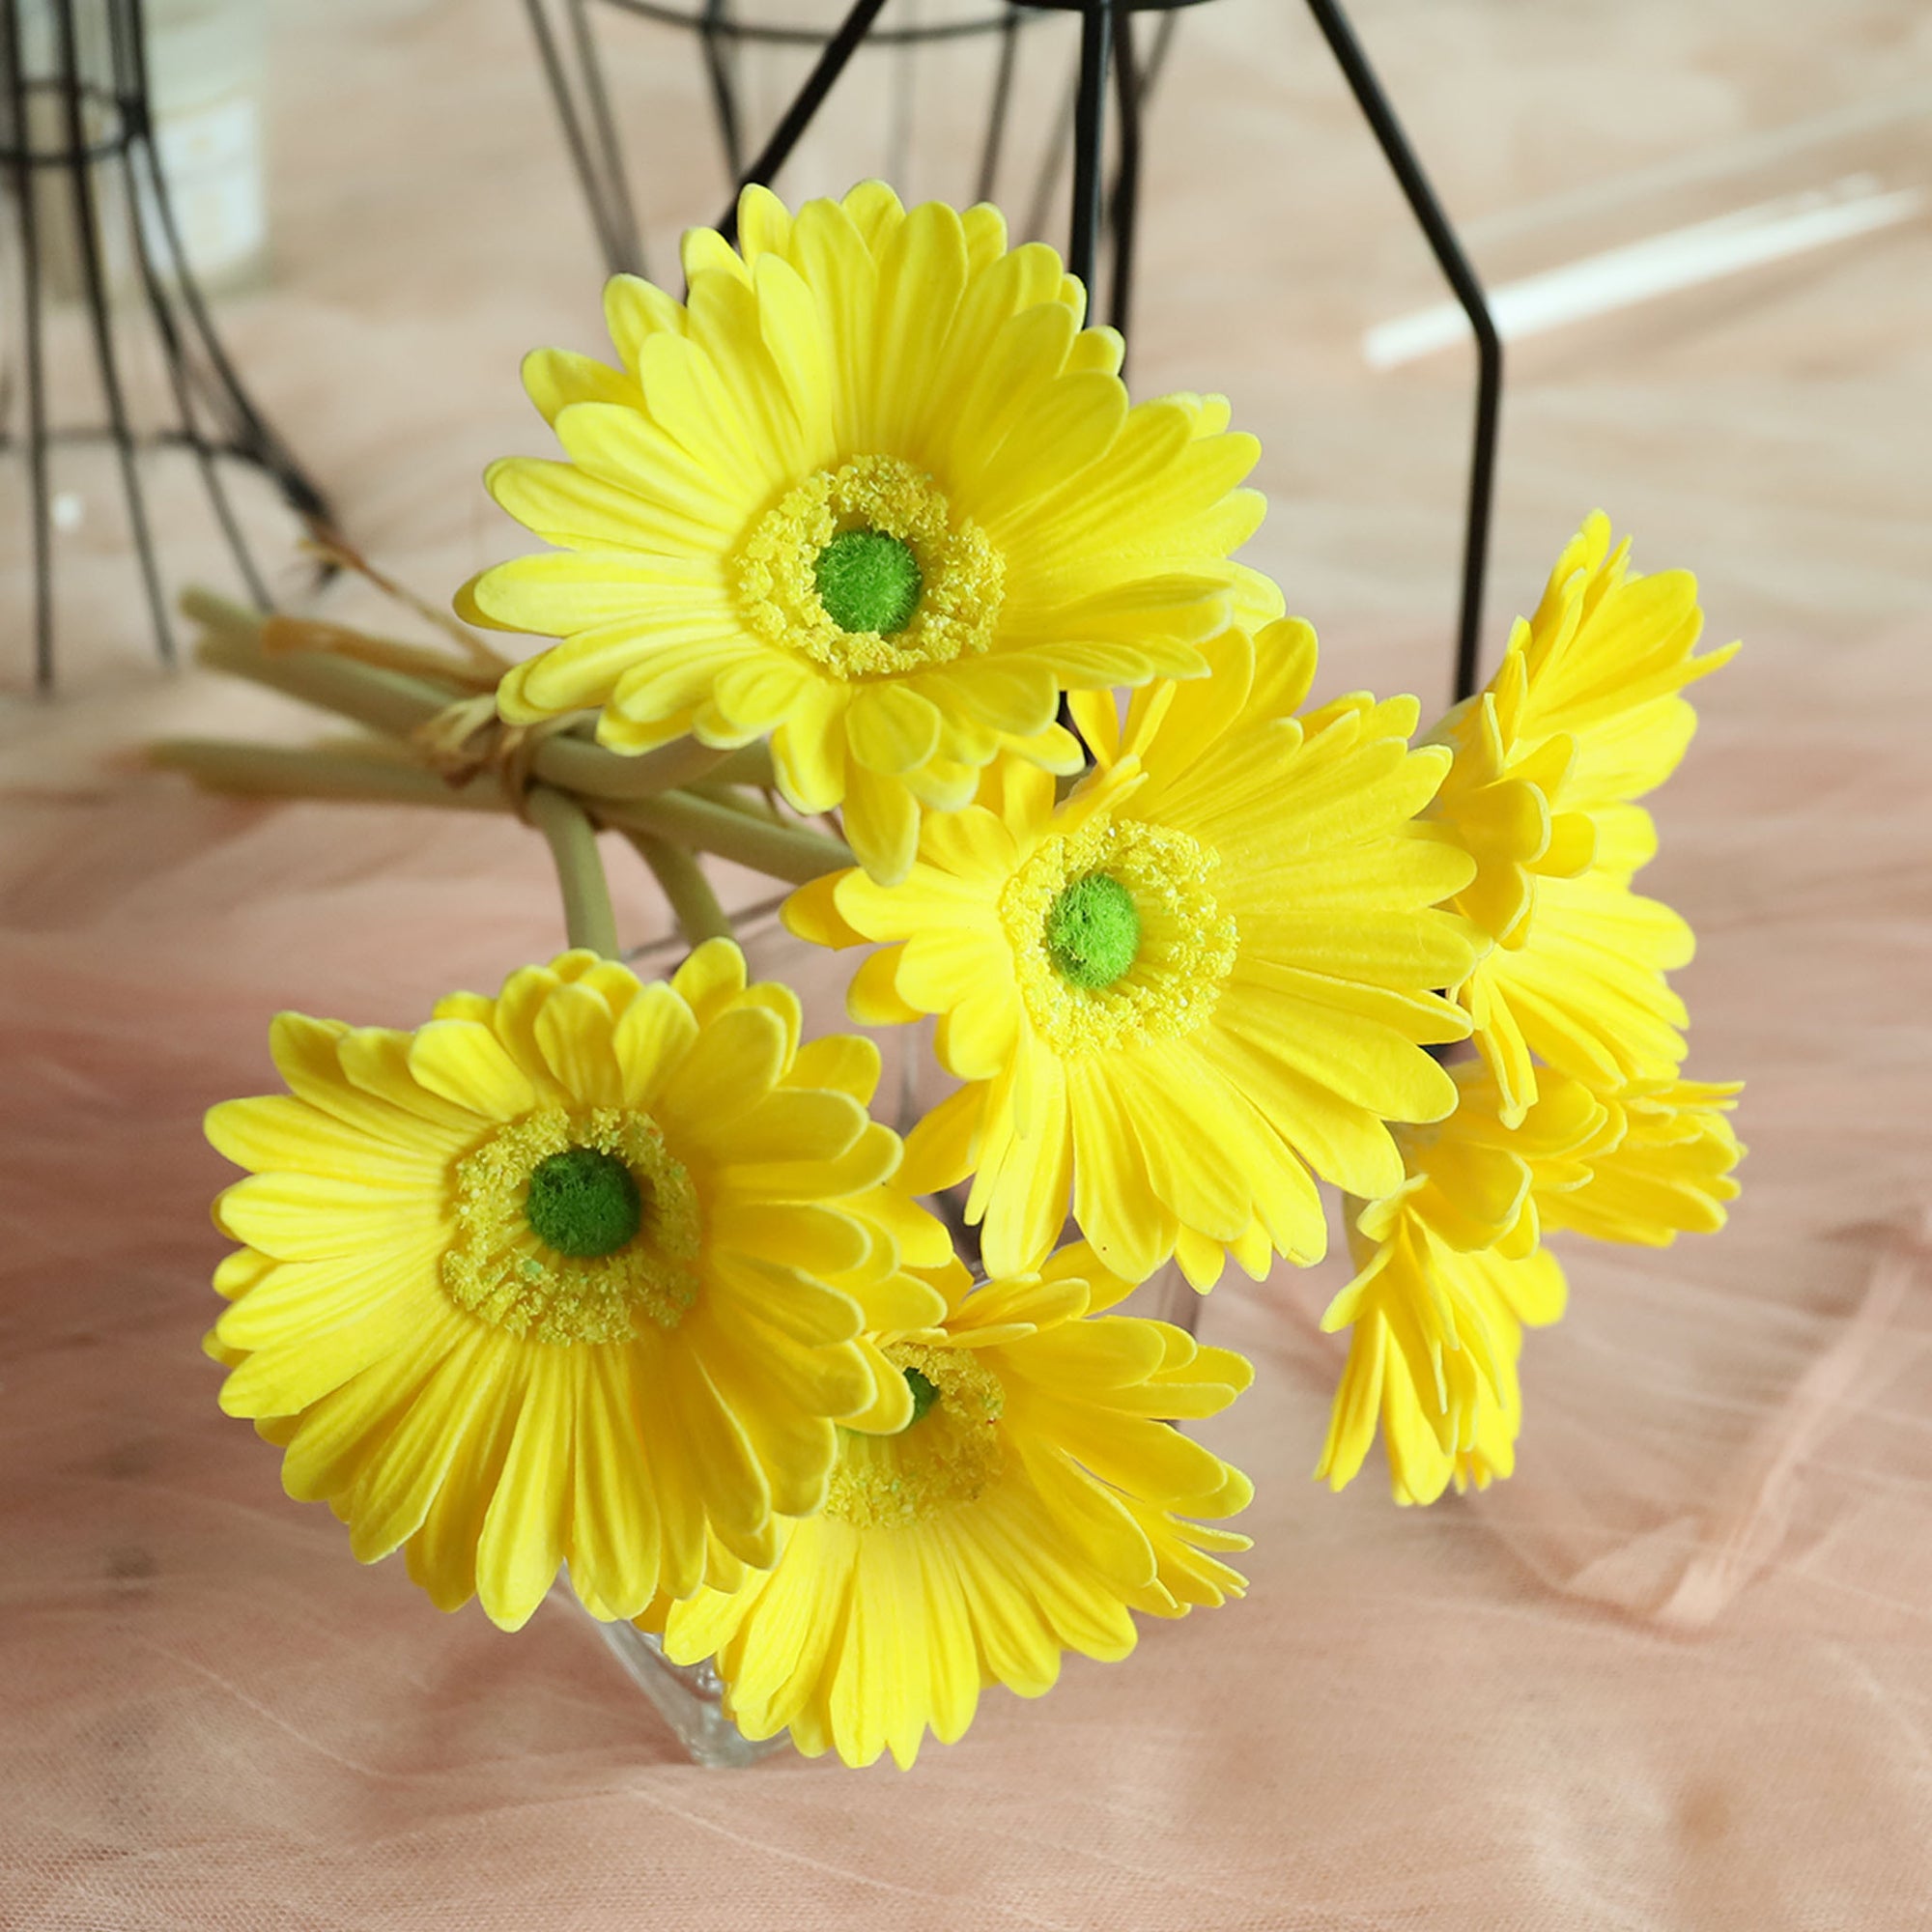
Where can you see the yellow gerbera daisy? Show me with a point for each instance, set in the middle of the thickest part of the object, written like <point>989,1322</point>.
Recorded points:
<point>874,491</point>
<point>1451,1269</point>
<point>1026,1510</point>
<point>1584,714</point>
<point>1669,1172</point>
<point>1207,972</point>
<point>573,1275</point>
<point>1379,1386</point>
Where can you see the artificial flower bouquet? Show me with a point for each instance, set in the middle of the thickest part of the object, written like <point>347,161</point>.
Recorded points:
<point>864,573</point>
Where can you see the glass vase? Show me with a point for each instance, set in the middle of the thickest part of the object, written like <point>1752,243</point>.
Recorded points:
<point>690,1697</point>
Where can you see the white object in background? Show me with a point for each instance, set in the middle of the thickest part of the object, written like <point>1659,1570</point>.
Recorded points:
<point>1680,259</point>
<point>204,73</point>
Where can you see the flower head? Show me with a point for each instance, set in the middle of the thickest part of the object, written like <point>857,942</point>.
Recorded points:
<point>1583,716</point>
<point>1205,973</point>
<point>1450,1268</point>
<point>872,490</point>
<point>580,1275</point>
<point>1669,1172</point>
<point>1034,1502</point>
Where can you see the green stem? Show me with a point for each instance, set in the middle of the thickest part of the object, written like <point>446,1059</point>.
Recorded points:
<point>591,772</point>
<point>279,771</point>
<point>587,918</point>
<point>385,700</point>
<point>223,616</point>
<point>687,890</point>
<point>397,702</point>
<point>755,805</point>
<point>786,852</point>
<point>749,764</point>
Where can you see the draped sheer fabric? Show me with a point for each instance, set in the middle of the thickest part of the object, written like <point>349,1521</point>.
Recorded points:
<point>1677,1673</point>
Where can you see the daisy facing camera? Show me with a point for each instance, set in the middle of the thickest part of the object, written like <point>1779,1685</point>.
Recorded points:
<point>873,490</point>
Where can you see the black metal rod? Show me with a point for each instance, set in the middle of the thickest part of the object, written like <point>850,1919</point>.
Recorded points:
<point>608,245</point>
<point>723,93</point>
<point>20,167</point>
<point>257,440</point>
<point>839,51</point>
<point>1090,135</point>
<point>95,151</point>
<point>772,36</point>
<point>87,243</point>
<point>1461,278</point>
<point>125,27</point>
<point>623,226</point>
<point>171,354</point>
<point>152,439</point>
<point>125,55</point>
<point>996,115</point>
<point>1125,202</point>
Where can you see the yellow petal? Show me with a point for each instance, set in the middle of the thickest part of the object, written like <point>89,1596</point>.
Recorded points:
<point>574,1033</point>
<point>650,1041</point>
<point>312,1218</point>
<point>286,1133</point>
<point>845,1063</point>
<point>731,1066</point>
<point>613,1547</point>
<point>785,1125</point>
<point>520,1547</point>
<point>465,1063</point>
<point>882,824</point>
<point>711,977</point>
<point>1113,1199</point>
<point>892,728</point>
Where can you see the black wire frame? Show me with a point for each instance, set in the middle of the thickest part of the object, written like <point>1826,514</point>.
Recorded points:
<point>215,418</point>
<point>1100,207</point>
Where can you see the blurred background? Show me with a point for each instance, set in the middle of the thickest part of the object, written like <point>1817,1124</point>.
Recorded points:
<point>1709,224</point>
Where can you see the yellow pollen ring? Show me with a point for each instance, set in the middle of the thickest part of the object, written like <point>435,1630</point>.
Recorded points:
<point>1184,948</point>
<point>497,1267</point>
<point>951,1456</point>
<point>961,576</point>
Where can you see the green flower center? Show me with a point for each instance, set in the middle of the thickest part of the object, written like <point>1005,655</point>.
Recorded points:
<point>583,1202</point>
<point>1093,931</point>
<point>953,1457</point>
<point>575,1228</point>
<point>923,1394</point>
<point>868,582</point>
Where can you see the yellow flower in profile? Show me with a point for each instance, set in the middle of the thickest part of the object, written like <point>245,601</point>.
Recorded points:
<point>578,1275</point>
<point>1035,1501</point>
<point>1583,716</point>
<point>872,490</point>
<point>1207,972</point>
<point>1451,1269</point>
<point>1669,1172</point>
<point>1379,1386</point>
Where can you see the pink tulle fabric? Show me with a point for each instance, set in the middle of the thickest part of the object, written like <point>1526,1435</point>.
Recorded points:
<point>1671,1674</point>
<point>1677,1673</point>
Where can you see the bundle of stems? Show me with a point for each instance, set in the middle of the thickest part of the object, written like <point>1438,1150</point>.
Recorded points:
<point>428,735</point>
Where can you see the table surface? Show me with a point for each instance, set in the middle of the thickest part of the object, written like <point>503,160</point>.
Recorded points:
<point>1678,1673</point>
